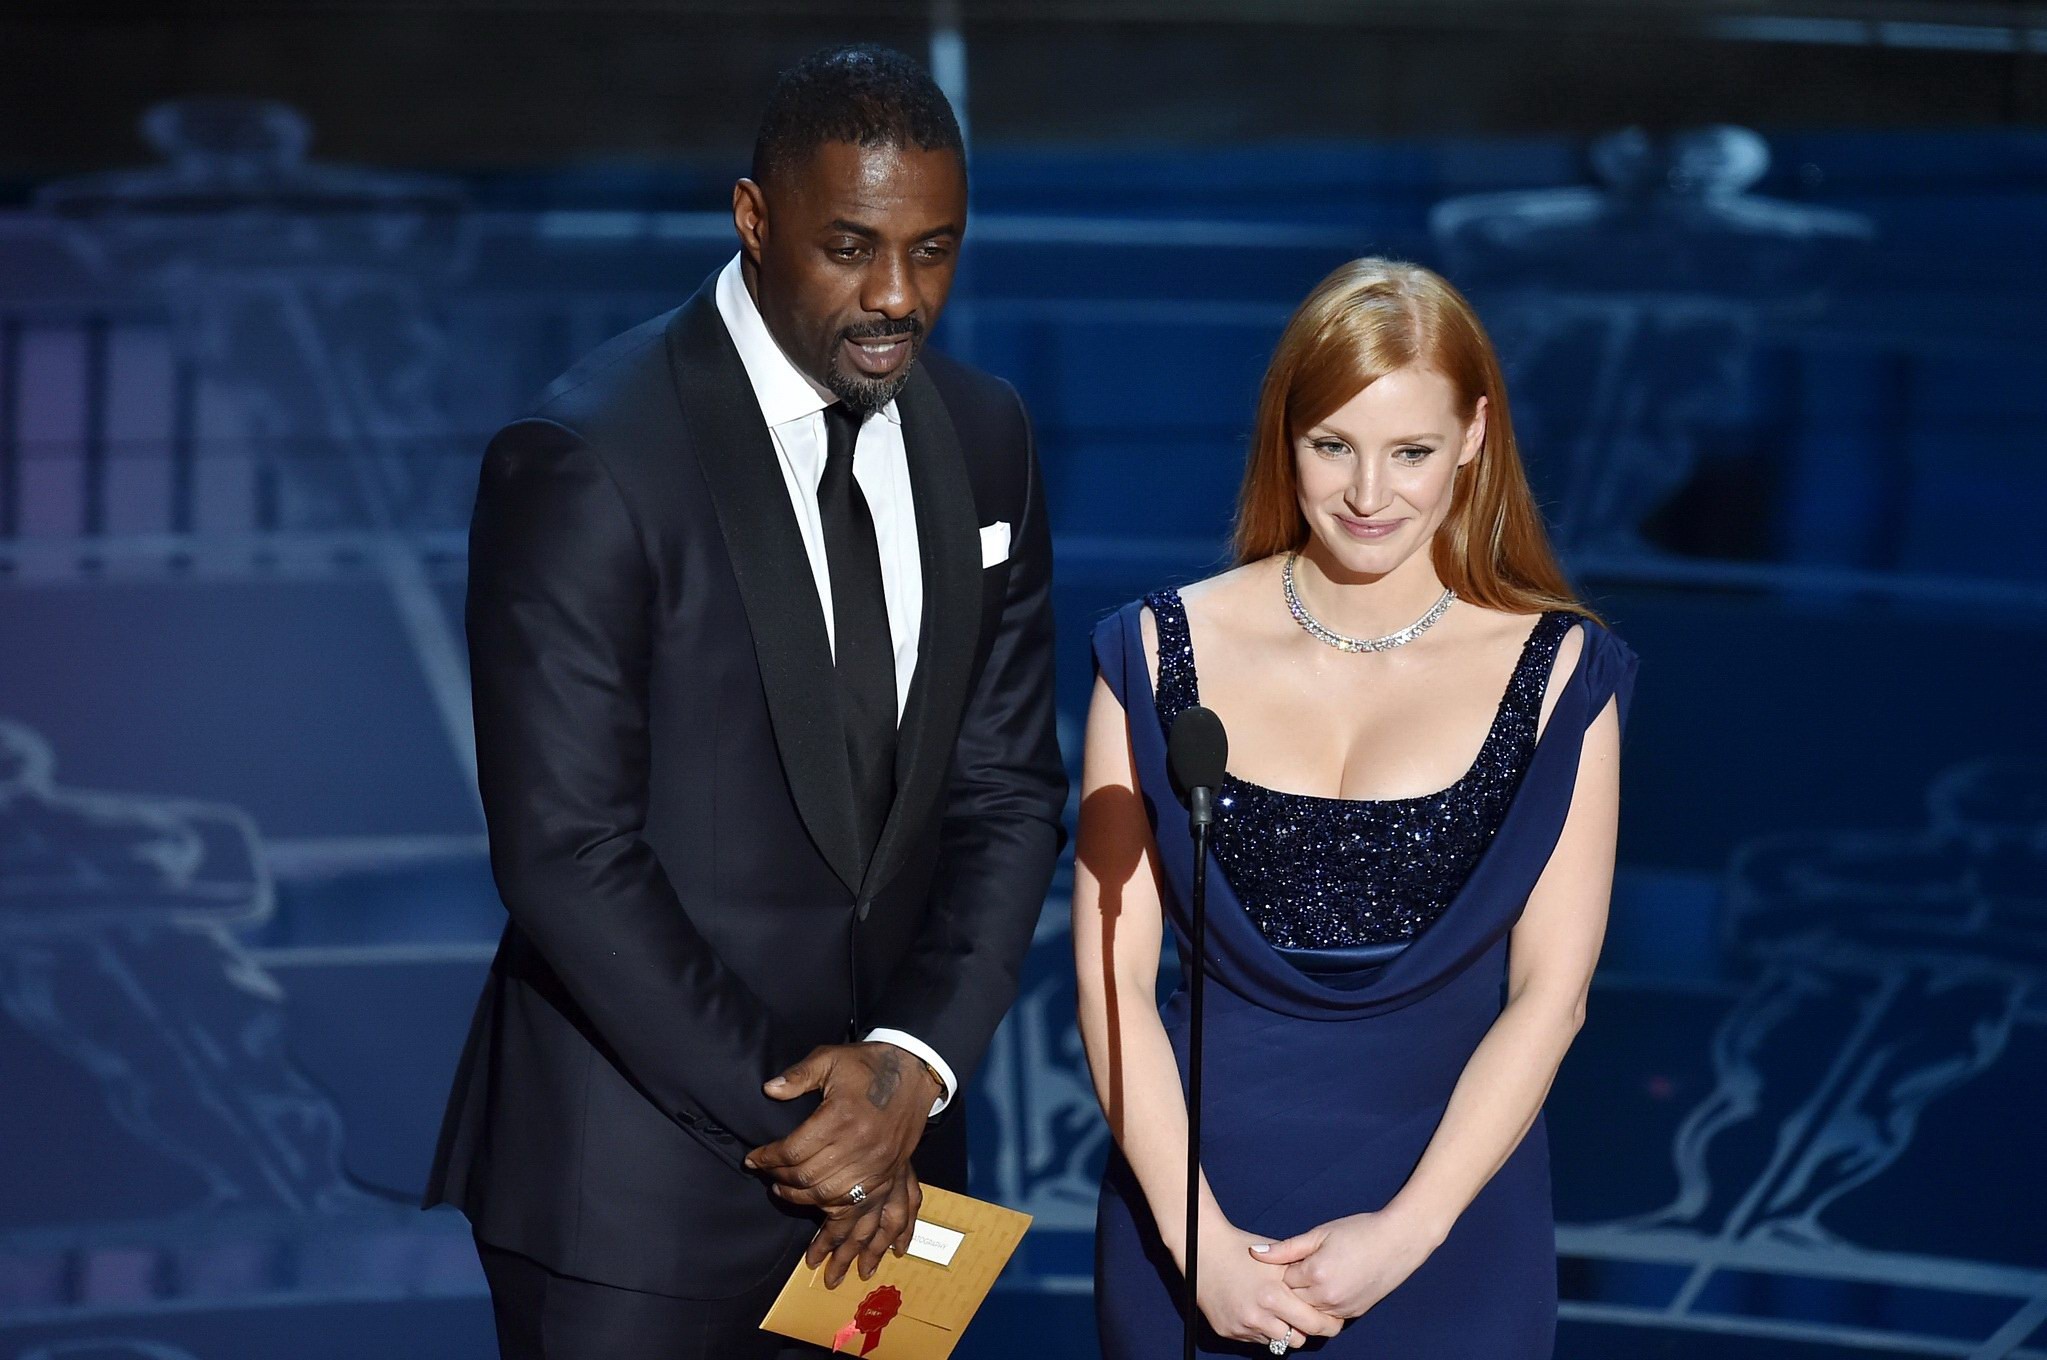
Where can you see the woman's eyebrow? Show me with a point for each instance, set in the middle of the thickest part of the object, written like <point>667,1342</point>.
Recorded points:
<point>1328,432</point>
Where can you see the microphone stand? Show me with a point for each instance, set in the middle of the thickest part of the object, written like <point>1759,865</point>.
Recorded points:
<point>1201,816</point>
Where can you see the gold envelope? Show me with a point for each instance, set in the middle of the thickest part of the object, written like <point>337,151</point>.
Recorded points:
<point>918,1304</point>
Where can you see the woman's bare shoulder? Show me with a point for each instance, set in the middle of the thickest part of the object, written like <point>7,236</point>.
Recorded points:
<point>1488,639</point>
<point>1231,596</point>
<point>1213,605</point>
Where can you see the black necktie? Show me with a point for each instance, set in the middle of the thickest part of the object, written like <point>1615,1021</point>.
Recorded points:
<point>864,653</point>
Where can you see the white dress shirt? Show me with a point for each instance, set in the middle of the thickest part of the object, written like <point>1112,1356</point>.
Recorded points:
<point>793,408</point>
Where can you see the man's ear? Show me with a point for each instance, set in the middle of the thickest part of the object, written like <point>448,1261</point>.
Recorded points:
<point>750,218</point>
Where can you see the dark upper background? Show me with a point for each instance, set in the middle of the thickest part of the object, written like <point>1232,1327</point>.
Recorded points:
<point>533,85</point>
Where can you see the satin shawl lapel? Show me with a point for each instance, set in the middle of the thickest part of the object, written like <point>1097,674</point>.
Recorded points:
<point>790,644</point>
<point>948,545</point>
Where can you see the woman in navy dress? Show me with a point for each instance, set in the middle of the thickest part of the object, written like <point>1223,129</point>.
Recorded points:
<point>1401,932</point>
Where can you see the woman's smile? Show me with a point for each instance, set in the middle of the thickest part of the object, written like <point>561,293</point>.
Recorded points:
<point>1368,529</point>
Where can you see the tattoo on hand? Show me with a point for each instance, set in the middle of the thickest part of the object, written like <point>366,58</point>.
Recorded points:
<point>888,1075</point>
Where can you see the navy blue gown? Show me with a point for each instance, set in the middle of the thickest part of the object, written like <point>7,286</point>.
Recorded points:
<point>1357,954</point>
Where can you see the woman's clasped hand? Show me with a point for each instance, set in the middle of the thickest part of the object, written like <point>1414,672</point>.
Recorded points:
<point>1342,1268</point>
<point>1246,1298</point>
<point>1313,1282</point>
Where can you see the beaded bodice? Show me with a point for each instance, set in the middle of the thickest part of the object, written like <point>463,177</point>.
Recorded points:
<point>1318,873</point>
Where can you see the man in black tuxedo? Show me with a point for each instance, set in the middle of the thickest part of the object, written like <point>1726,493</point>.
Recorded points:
<point>760,631</point>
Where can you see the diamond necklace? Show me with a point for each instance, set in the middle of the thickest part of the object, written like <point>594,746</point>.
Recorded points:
<point>1316,630</point>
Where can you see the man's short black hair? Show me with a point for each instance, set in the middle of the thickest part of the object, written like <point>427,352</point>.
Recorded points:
<point>867,95</point>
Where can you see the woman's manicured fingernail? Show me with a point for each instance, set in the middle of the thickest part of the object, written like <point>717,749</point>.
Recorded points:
<point>1262,1247</point>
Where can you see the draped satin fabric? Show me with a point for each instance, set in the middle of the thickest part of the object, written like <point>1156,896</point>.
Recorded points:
<point>1322,1092</point>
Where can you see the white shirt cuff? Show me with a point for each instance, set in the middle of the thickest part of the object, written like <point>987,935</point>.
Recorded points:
<point>916,1047</point>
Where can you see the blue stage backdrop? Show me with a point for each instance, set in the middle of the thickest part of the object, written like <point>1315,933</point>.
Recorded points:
<point>1783,404</point>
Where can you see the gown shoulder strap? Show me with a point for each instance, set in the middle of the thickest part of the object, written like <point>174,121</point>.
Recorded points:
<point>1178,688</point>
<point>1538,658</point>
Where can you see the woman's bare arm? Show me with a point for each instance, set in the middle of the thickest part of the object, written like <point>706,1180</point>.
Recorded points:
<point>1550,958</point>
<point>1118,928</point>
<point>1117,932</point>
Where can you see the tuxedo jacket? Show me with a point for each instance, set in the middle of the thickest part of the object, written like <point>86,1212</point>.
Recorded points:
<point>670,806</point>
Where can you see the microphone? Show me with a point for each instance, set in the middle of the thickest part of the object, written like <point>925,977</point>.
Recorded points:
<point>1197,751</point>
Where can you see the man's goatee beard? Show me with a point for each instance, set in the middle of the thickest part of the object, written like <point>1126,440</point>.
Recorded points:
<point>868,395</point>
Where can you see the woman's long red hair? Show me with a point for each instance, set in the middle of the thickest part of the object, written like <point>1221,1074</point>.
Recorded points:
<point>1365,320</point>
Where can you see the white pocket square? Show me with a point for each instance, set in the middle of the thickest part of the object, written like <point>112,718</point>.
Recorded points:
<point>994,543</point>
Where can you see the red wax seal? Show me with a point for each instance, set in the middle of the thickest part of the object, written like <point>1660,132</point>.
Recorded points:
<point>872,1314</point>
